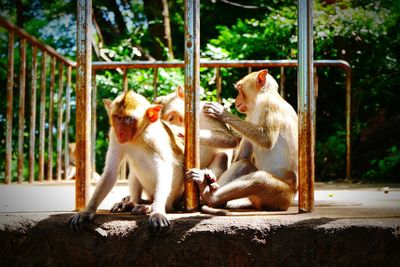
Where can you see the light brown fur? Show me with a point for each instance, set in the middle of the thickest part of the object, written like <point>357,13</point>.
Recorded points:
<point>265,170</point>
<point>154,154</point>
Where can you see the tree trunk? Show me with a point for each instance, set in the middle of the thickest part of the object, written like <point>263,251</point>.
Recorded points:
<point>157,11</point>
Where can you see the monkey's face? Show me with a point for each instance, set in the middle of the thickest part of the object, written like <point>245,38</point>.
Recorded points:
<point>240,102</point>
<point>125,128</point>
<point>173,108</point>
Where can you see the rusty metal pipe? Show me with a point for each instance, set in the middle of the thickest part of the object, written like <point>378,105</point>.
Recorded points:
<point>192,102</point>
<point>32,126</point>
<point>42,117</point>
<point>282,83</point>
<point>83,101</point>
<point>348,122</point>
<point>94,120</point>
<point>51,121</point>
<point>33,41</point>
<point>21,110</point>
<point>306,107</point>
<point>125,80</point>
<point>98,65</point>
<point>9,116</point>
<point>218,81</point>
<point>155,82</point>
<point>67,121</point>
<point>59,119</point>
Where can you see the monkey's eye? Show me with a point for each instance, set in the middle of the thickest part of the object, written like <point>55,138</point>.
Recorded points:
<point>124,120</point>
<point>128,120</point>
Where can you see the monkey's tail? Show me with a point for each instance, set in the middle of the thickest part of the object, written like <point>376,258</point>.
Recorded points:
<point>214,211</point>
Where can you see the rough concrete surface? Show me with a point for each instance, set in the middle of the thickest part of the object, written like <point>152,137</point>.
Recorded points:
<point>337,233</point>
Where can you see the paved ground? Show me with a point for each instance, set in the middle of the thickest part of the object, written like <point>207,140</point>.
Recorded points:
<point>352,225</point>
<point>49,197</point>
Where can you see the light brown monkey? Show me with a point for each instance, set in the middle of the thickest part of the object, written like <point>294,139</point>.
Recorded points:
<point>154,154</point>
<point>266,168</point>
<point>216,140</point>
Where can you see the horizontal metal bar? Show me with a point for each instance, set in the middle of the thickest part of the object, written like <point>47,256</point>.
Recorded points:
<point>33,41</point>
<point>218,63</point>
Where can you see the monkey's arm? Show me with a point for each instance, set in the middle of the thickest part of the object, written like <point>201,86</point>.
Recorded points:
<point>107,181</point>
<point>245,150</point>
<point>265,135</point>
<point>218,139</point>
<point>215,133</point>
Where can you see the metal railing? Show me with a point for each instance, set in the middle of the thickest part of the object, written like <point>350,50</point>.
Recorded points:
<point>218,64</point>
<point>49,58</point>
<point>64,96</point>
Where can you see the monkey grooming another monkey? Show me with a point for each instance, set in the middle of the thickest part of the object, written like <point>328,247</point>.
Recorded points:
<point>154,155</point>
<point>216,140</point>
<point>265,170</point>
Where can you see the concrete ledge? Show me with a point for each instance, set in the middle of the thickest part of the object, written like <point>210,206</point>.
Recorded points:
<point>330,236</point>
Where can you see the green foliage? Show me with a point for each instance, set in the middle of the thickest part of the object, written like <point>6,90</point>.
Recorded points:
<point>386,168</point>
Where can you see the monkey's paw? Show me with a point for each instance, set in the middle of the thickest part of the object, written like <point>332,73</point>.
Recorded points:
<point>81,220</point>
<point>158,223</point>
<point>205,180</point>
<point>141,209</point>
<point>123,206</point>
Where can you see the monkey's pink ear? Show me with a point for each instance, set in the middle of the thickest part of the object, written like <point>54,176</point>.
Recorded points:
<point>153,112</point>
<point>261,78</point>
<point>107,103</point>
<point>180,92</point>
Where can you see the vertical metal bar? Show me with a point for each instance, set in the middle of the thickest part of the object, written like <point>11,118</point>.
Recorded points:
<point>125,80</point>
<point>155,82</point>
<point>33,117</point>
<point>67,121</point>
<point>21,110</point>
<point>42,117</point>
<point>83,100</point>
<point>306,106</point>
<point>219,84</point>
<point>192,103</point>
<point>94,119</point>
<point>59,119</point>
<point>10,86</point>
<point>282,81</point>
<point>315,83</point>
<point>348,123</point>
<point>249,69</point>
<point>51,121</point>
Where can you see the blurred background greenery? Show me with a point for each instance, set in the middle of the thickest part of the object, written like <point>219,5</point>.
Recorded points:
<point>365,33</point>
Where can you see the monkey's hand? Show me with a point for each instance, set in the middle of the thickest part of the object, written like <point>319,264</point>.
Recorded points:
<point>159,223</point>
<point>197,176</point>
<point>205,180</point>
<point>141,209</point>
<point>81,220</point>
<point>215,110</point>
<point>123,206</point>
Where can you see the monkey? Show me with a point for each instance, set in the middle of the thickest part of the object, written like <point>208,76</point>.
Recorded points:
<point>216,141</point>
<point>265,171</point>
<point>154,154</point>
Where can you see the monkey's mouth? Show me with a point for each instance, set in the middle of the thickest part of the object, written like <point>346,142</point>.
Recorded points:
<point>241,108</point>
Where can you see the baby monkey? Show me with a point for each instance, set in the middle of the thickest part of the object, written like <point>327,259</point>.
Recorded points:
<point>154,154</point>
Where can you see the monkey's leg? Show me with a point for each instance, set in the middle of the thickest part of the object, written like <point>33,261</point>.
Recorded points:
<point>128,202</point>
<point>264,190</point>
<point>219,164</point>
<point>237,169</point>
